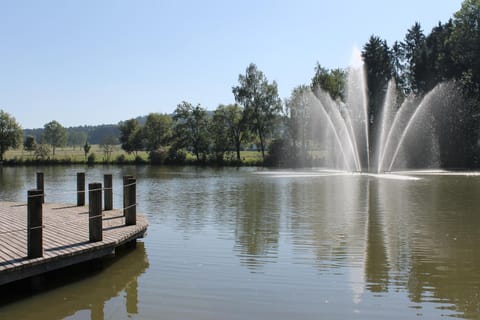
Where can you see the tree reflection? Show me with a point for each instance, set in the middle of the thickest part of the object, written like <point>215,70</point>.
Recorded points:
<point>376,260</point>
<point>257,224</point>
<point>432,237</point>
<point>418,235</point>
<point>328,218</point>
<point>11,183</point>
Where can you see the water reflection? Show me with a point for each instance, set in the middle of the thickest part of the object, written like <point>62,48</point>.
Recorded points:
<point>71,293</point>
<point>257,223</point>
<point>376,261</point>
<point>11,177</point>
<point>438,255</point>
<point>226,240</point>
<point>415,235</point>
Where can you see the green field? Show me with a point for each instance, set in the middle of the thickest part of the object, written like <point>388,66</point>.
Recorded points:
<point>75,154</point>
<point>70,155</point>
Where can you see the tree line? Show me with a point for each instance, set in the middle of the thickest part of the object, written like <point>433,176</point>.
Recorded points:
<point>283,132</point>
<point>209,136</point>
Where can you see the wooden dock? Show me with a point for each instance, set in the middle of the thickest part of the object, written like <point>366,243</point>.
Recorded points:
<point>65,238</point>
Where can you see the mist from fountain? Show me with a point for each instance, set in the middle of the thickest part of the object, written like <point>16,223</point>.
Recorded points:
<point>406,135</point>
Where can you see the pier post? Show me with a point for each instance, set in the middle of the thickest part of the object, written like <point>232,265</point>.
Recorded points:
<point>125,191</point>
<point>108,192</point>
<point>80,189</point>
<point>95,212</point>
<point>40,185</point>
<point>34,224</point>
<point>131,212</point>
<point>132,296</point>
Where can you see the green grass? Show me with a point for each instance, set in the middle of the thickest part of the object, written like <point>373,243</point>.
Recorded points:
<point>74,155</point>
<point>70,155</point>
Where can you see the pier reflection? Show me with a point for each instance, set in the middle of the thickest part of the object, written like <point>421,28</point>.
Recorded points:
<point>91,292</point>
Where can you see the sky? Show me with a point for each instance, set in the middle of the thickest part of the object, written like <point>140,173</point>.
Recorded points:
<point>91,62</point>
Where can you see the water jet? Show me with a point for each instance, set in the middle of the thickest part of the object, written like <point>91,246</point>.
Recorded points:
<point>404,135</point>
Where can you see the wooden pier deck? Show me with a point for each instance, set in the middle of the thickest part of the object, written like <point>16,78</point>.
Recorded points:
<point>65,238</point>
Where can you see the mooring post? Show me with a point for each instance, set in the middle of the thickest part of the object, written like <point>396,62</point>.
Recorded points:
<point>95,212</point>
<point>80,189</point>
<point>131,214</point>
<point>125,191</point>
<point>108,192</point>
<point>40,185</point>
<point>34,224</point>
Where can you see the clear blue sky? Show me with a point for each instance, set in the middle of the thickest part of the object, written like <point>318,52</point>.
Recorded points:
<point>103,61</point>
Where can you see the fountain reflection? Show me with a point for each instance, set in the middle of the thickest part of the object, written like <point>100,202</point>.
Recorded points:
<point>376,260</point>
<point>433,233</point>
<point>411,234</point>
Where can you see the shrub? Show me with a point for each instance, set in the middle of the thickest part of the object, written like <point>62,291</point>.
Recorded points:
<point>158,156</point>
<point>276,153</point>
<point>140,160</point>
<point>42,152</point>
<point>91,158</point>
<point>120,158</point>
<point>176,156</point>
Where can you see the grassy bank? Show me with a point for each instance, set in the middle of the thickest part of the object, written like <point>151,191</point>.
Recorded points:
<point>69,155</point>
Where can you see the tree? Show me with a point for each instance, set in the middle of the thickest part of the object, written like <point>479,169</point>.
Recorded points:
<point>379,69</point>
<point>260,101</point>
<point>439,64</point>
<point>415,51</point>
<point>331,81</point>
<point>157,131</point>
<point>220,134</point>
<point>29,144</point>
<point>107,145</point>
<point>55,134</point>
<point>192,128</point>
<point>398,67</point>
<point>86,149</point>
<point>76,138</point>
<point>131,136</point>
<point>97,133</point>
<point>231,117</point>
<point>298,122</point>
<point>10,133</point>
<point>466,45</point>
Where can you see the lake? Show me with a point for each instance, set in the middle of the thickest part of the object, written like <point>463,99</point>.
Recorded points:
<point>251,243</point>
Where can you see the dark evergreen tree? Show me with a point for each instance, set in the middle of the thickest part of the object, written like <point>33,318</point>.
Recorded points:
<point>415,55</point>
<point>378,61</point>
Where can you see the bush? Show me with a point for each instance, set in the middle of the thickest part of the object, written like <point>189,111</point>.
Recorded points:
<point>158,156</point>
<point>140,160</point>
<point>91,158</point>
<point>42,152</point>
<point>176,156</point>
<point>120,158</point>
<point>276,153</point>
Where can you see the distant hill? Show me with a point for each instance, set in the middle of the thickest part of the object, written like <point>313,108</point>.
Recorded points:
<point>94,134</point>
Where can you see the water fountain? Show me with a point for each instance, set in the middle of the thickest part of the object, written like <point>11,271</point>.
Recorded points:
<point>406,134</point>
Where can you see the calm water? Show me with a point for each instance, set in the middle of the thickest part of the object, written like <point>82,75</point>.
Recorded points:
<point>257,244</point>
